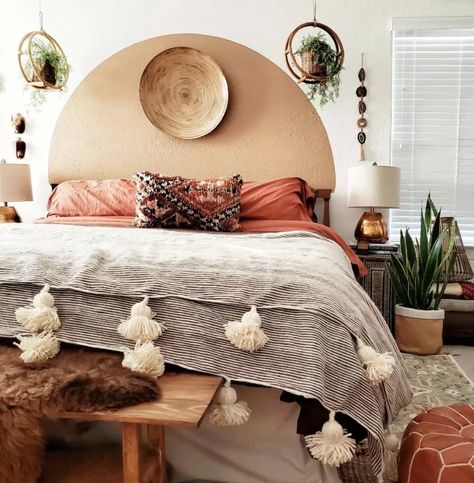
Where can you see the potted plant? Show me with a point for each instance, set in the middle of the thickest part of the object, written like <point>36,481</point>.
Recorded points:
<point>319,59</point>
<point>420,276</point>
<point>52,65</point>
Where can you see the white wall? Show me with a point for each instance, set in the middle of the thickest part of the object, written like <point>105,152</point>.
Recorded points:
<point>91,30</point>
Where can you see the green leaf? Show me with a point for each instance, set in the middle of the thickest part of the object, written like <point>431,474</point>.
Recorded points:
<point>432,205</point>
<point>431,271</point>
<point>435,231</point>
<point>424,245</point>
<point>398,286</point>
<point>427,217</point>
<point>411,251</point>
<point>404,278</point>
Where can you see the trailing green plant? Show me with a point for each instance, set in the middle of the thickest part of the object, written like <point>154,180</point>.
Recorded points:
<point>44,55</point>
<point>420,273</point>
<point>325,56</point>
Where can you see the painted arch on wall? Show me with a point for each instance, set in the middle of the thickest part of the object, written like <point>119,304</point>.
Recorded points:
<point>270,128</point>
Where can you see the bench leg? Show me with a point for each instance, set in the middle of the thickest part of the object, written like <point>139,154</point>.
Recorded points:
<point>131,452</point>
<point>156,439</point>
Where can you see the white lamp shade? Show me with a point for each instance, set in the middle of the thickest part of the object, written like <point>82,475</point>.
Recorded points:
<point>15,182</point>
<point>374,186</point>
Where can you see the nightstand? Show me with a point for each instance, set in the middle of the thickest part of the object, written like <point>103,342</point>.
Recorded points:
<point>377,282</point>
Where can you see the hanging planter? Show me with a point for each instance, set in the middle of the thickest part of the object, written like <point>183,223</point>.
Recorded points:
<point>318,61</point>
<point>42,61</point>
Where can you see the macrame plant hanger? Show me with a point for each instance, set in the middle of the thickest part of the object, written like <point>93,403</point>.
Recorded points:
<point>41,59</point>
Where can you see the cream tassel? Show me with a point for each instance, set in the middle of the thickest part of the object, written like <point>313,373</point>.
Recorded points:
<point>332,446</point>
<point>378,366</point>
<point>247,334</point>
<point>392,443</point>
<point>38,347</point>
<point>228,411</point>
<point>145,358</point>
<point>141,327</point>
<point>42,315</point>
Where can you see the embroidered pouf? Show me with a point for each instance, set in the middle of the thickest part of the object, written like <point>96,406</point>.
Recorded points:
<point>438,446</point>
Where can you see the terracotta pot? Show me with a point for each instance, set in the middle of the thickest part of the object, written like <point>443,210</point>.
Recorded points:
<point>419,331</point>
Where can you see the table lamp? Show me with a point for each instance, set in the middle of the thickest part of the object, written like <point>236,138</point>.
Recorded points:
<point>373,186</point>
<point>15,185</point>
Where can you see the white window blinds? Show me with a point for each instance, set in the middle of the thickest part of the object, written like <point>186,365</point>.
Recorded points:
<point>433,123</point>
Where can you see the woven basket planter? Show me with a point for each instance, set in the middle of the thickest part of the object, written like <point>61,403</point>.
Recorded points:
<point>358,470</point>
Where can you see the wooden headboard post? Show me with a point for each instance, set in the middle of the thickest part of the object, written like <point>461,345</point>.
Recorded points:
<point>325,195</point>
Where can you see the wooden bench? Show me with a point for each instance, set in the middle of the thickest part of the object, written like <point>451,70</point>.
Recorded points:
<point>185,398</point>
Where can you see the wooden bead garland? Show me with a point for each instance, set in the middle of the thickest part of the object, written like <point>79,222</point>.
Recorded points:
<point>361,93</point>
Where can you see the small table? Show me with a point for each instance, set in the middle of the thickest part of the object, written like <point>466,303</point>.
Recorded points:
<point>184,400</point>
<point>377,282</point>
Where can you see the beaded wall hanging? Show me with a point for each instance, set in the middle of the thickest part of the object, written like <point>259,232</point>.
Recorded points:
<point>361,93</point>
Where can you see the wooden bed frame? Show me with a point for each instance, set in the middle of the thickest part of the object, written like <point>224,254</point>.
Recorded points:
<point>325,195</point>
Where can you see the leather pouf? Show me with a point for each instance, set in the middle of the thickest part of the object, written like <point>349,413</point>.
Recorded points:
<point>438,446</point>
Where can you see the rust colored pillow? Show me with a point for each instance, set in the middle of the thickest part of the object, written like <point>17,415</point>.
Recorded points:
<point>173,201</point>
<point>280,199</point>
<point>110,197</point>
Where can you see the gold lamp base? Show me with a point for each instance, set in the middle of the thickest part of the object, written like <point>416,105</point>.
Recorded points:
<point>371,228</point>
<point>8,214</point>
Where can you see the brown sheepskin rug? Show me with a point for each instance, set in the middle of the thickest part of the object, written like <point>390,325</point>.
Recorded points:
<point>78,379</point>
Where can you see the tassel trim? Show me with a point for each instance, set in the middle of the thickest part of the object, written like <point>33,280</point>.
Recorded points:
<point>228,411</point>
<point>392,444</point>
<point>247,334</point>
<point>140,326</point>
<point>38,348</point>
<point>378,366</point>
<point>40,318</point>
<point>332,445</point>
<point>41,315</point>
<point>144,358</point>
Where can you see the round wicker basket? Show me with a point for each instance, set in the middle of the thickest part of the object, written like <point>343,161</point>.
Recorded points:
<point>184,93</point>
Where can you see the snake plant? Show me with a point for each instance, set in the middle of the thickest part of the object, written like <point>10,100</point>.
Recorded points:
<point>420,273</point>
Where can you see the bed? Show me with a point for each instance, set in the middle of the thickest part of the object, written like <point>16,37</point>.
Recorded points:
<point>298,273</point>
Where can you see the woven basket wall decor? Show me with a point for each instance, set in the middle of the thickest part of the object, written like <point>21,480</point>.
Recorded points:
<point>184,93</point>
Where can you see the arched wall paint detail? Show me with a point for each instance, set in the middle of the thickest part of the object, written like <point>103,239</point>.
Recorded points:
<point>270,128</point>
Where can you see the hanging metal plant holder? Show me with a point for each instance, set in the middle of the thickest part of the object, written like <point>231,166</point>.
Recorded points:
<point>307,69</point>
<point>42,61</point>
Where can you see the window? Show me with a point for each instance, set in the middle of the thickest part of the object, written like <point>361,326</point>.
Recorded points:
<point>433,120</point>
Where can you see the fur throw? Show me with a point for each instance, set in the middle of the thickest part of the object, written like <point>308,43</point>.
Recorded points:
<point>78,379</point>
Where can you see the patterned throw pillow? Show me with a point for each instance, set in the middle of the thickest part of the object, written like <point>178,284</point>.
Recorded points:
<point>172,201</point>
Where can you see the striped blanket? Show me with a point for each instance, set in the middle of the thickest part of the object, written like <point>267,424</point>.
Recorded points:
<point>302,284</point>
